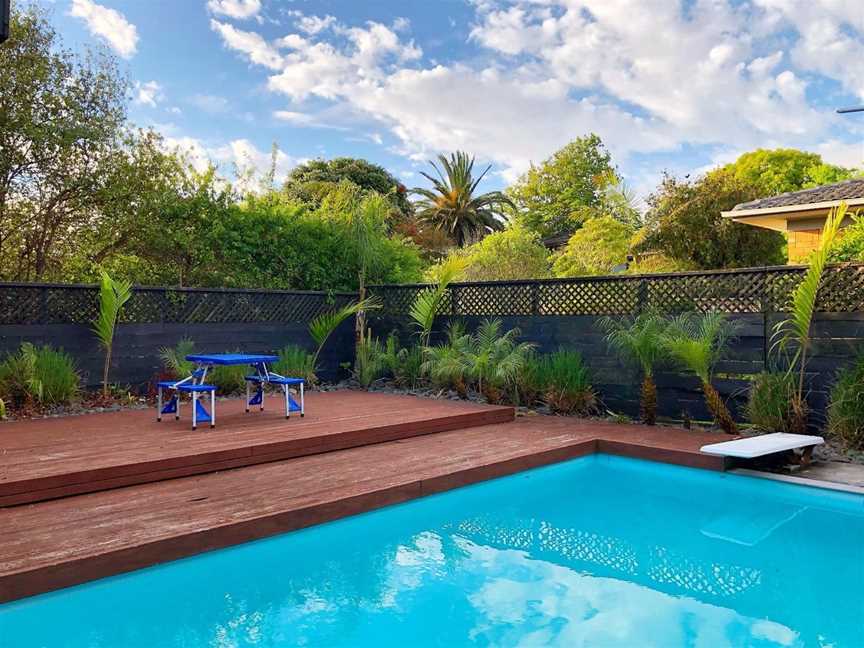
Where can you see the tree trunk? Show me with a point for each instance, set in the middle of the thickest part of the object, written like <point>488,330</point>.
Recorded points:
<point>648,402</point>
<point>718,409</point>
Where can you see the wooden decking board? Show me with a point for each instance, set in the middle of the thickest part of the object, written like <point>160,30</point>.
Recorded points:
<point>58,543</point>
<point>60,457</point>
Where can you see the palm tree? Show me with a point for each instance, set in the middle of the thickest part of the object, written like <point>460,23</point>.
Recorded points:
<point>639,341</point>
<point>696,343</point>
<point>451,204</point>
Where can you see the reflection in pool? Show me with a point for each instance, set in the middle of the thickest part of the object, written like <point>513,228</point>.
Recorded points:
<point>599,551</point>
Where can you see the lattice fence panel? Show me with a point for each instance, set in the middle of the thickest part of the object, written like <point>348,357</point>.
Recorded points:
<point>588,297</point>
<point>492,299</point>
<point>48,304</point>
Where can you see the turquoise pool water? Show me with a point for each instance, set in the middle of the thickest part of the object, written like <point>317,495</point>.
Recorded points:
<point>599,551</point>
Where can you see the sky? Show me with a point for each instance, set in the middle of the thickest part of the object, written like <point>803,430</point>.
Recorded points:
<point>668,85</point>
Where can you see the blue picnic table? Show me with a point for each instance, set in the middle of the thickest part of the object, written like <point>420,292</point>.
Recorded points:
<point>196,385</point>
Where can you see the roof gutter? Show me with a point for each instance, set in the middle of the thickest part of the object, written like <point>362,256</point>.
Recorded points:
<point>789,209</point>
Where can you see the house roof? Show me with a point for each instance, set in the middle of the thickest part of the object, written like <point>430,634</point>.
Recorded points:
<point>846,190</point>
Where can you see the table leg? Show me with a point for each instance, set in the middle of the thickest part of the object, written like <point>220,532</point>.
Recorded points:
<point>287,402</point>
<point>213,409</point>
<point>159,404</point>
<point>194,410</point>
<point>248,396</point>
<point>302,404</point>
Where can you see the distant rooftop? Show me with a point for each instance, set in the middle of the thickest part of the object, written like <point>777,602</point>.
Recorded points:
<point>846,190</point>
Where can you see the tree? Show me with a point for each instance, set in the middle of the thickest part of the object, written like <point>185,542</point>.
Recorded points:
<point>514,253</point>
<point>684,224</point>
<point>850,242</point>
<point>61,117</point>
<point>561,193</point>
<point>777,171</point>
<point>595,249</point>
<point>312,181</point>
<point>451,205</point>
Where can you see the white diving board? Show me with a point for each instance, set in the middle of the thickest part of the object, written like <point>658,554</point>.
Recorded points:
<point>759,446</point>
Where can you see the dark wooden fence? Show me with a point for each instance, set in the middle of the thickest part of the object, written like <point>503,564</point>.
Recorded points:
<point>217,320</point>
<point>564,313</point>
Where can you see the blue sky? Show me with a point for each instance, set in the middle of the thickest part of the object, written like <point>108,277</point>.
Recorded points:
<point>668,86</point>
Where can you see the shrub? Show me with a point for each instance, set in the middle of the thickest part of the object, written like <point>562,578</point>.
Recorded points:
<point>564,382</point>
<point>769,404</point>
<point>404,364</point>
<point>38,375</point>
<point>174,360</point>
<point>296,362</point>
<point>496,360</point>
<point>445,363</point>
<point>368,360</point>
<point>846,408</point>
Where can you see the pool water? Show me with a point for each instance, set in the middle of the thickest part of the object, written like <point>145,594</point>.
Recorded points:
<point>599,551</point>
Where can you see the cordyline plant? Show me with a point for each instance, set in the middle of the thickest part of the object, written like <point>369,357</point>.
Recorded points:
<point>696,342</point>
<point>639,341</point>
<point>113,295</point>
<point>792,335</point>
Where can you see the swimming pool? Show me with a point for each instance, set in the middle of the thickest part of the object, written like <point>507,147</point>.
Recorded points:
<point>598,551</point>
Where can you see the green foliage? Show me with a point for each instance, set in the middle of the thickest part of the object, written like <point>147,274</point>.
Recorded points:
<point>561,193</point>
<point>514,253</point>
<point>495,359</point>
<point>404,364</point>
<point>776,171</point>
<point>174,360</point>
<point>594,249</point>
<point>849,245</point>
<point>768,404</point>
<point>794,332</point>
<point>428,301</point>
<point>296,362</point>
<point>696,341</point>
<point>846,408</point>
<point>323,326</point>
<point>38,375</point>
<point>113,295</point>
<point>445,363</point>
<point>311,181</point>
<point>563,381</point>
<point>684,224</point>
<point>452,204</point>
<point>369,364</point>
<point>61,121</point>
<point>2,409</point>
<point>637,340</point>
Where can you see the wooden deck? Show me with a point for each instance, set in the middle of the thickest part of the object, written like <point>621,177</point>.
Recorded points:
<point>48,458</point>
<point>63,542</point>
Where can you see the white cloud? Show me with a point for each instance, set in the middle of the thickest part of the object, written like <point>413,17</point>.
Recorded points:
<point>212,104</point>
<point>148,94</point>
<point>714,75</point>
<point>108,24</point>
<point>236,156</point>
<point>238,9</point>
<point>251,44</point>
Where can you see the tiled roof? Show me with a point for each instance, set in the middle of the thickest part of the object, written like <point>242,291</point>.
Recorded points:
<point>846,190</point>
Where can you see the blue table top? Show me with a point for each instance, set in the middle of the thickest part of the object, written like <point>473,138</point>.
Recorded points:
<point>231,358</point>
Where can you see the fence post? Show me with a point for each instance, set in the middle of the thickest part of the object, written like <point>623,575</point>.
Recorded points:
<point>641,296</point>
<point>454,301</point>
<point>765,307</point>
<point>535,298</point>
<point>43,305</point>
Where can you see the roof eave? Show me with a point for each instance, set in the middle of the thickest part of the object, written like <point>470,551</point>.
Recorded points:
<point>790,209</point>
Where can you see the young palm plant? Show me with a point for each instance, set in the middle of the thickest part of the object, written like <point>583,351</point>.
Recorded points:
<point>792,336</point>
<point>322,327</point>
<point>639,341</point>
<point>113,295</point>
<point>446,363</point>
<point>428,301</point>
<point>696,342</point>
<point>496,359</point>
<point>174,358</point>
<point>451,204</point>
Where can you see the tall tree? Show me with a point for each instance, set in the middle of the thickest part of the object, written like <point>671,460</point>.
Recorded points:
<point>684,224</point>
<point>311,181</point>
<point>565,190</point>
<point>594,249</point>
<point>61,117</point>
<point>452,204</point>
<point>777,171</point>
